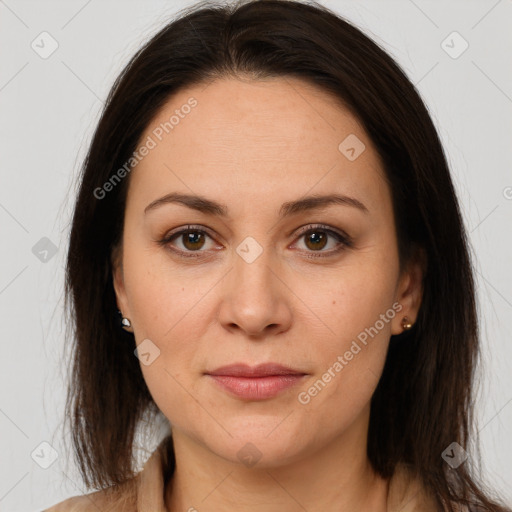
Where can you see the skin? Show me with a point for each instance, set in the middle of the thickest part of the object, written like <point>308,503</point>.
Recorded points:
<point>254,145</point>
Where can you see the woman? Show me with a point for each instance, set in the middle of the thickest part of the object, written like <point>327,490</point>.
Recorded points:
<point>267,204</point>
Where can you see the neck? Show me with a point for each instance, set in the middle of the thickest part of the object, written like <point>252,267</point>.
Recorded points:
<point>336,478</point>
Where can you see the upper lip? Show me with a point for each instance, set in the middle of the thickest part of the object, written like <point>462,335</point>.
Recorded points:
<point>261,370</point>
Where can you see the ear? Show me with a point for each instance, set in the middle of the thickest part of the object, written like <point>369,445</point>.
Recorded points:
<point>116,260</point>
<point>410,290</point>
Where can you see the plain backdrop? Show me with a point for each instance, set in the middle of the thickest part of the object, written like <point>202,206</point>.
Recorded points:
<point>49,108</point>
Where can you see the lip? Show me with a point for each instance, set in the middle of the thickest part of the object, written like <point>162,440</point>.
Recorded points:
<point>260,370</point>
<point>258,382</point>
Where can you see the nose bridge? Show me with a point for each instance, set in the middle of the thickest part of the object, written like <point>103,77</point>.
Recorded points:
<point>253,266</point>
<point>254,300</point>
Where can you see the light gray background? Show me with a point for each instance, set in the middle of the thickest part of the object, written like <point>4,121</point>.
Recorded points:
<point>49,108</point>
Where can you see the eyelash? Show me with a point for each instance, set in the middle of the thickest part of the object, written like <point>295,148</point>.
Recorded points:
<point>342,238</point>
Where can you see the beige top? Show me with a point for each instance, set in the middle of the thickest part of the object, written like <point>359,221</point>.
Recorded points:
<point>405,495</point>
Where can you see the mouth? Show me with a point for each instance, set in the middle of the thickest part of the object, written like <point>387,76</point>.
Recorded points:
<point>255,383</point>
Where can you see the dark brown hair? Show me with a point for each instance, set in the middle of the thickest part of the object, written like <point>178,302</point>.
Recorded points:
<point>429,371</point>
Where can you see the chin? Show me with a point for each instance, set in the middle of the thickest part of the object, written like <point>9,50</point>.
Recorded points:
<point>260,442</point>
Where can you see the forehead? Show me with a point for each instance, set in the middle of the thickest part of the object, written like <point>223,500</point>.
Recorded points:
<point>256,137</point>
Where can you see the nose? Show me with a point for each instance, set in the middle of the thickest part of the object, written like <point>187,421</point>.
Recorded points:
<point>255,298</point>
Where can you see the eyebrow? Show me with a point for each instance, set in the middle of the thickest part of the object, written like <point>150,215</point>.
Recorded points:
<point>210,207</point>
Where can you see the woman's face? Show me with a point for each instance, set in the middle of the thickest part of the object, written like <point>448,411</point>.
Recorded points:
<point>268,280</point>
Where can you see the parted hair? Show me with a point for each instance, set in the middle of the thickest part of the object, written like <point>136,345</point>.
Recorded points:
<point>425,397</point>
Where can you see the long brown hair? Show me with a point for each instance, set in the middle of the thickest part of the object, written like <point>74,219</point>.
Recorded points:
<point>429,371</point>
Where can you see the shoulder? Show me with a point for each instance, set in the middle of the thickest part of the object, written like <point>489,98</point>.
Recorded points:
<point>92,502</point>
<point>145,490</point>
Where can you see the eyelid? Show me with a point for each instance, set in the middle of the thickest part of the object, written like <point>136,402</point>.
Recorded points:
<point>189,227</point>
<point>312,226</point>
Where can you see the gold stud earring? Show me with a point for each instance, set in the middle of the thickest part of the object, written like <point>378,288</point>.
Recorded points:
<point>406,324</point>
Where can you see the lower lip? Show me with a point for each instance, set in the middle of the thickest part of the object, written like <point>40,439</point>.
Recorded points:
<point>256,388</point>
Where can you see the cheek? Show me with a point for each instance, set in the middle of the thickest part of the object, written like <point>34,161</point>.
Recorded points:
<point>170,316</point>
<point>166,309</point>
<point>348,371</point>
<point>161,294</point>
<point>354,312</point>
<point>347,302</point>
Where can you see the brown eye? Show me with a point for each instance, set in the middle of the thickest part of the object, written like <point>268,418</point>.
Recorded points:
<point>189,242</point>
<point>192,240</point>
<point>316,240</point>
